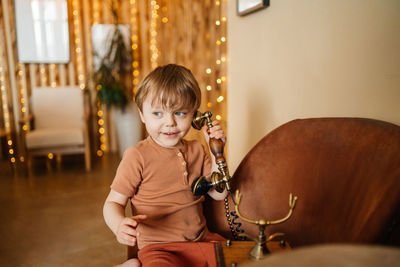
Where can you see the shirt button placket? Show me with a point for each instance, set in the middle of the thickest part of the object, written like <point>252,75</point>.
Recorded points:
<point>184,164</point>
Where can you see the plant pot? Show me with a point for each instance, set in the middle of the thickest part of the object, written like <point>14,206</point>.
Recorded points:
<point>129,127</point>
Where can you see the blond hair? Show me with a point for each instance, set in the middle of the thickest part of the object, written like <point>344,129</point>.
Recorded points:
<point>173,86</point>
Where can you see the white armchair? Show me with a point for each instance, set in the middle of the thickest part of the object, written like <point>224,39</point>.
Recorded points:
<point>60,123</point>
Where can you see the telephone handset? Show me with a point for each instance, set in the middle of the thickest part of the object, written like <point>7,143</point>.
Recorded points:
<point>219,180</point>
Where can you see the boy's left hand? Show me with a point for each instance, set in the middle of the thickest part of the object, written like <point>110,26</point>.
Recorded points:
<point>215,132</point>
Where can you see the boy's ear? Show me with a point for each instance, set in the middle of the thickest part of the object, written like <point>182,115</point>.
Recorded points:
<point>141,116</point>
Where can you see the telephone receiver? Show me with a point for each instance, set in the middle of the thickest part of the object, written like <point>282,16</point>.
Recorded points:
<point>219,180</point>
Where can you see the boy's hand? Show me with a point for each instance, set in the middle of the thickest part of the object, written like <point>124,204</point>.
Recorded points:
<point>126,232</point>
<point>215,132</point>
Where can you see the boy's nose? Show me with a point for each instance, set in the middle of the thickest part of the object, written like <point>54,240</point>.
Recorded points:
<point>170,120</point>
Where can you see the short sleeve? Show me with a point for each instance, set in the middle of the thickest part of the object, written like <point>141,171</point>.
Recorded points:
<point>129,173</point>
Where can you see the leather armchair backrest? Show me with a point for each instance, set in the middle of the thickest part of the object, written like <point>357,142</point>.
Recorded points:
<point>345,172</point>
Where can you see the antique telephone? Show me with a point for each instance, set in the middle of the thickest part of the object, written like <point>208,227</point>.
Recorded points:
<point>220,180</point>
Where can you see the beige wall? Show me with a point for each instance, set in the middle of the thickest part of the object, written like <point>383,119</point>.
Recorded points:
<point>310,58</point>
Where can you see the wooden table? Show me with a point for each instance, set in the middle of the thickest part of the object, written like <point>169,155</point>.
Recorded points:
<point>238,251</point>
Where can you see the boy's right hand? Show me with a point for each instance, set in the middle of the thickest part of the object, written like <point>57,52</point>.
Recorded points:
<point>126,231</point>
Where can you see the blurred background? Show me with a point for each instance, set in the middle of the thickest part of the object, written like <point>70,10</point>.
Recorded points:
<point>69,70</point>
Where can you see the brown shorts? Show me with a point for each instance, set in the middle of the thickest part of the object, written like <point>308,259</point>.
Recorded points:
<point>196,254</point>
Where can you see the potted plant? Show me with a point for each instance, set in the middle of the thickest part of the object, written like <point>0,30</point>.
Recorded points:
<point>112,60</point>
<point>113,67</point>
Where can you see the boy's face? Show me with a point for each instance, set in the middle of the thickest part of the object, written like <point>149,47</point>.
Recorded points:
<point>166,126</point>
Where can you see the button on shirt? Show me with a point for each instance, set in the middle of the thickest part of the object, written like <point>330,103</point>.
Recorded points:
<point>158,180</point>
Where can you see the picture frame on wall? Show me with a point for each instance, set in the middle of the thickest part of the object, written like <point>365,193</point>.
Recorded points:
<point>245,7</point>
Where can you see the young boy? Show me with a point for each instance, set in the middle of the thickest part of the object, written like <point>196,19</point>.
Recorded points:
<point>157,173</point>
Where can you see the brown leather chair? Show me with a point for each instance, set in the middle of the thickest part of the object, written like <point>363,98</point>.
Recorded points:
<point>345,172</point>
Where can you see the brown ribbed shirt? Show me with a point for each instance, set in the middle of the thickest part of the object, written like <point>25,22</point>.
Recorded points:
<point>158,180</point>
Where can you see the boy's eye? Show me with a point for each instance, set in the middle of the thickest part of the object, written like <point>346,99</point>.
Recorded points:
<point>180,113</point>
<point>157,113</point>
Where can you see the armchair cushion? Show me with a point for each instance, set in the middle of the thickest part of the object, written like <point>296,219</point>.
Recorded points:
<point>49,137</point>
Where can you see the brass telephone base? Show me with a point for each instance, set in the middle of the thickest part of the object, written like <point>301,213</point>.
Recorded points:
<point>258,252</point>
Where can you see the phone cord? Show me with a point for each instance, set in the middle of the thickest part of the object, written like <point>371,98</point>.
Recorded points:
<point>232,222</point>
<point>228,217</point>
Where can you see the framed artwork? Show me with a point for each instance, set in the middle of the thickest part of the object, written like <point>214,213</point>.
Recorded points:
<point>245,7</point>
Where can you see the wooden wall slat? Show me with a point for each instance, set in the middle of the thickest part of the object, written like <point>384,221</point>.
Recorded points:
<point>63,75</point>
<point>11,61</point>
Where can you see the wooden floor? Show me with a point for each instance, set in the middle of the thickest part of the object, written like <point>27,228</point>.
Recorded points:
<point>53,215</point>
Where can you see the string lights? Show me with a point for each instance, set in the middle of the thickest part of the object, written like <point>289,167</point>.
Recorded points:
<point>78,44</point>
<point>6,114</point>
<point>23,97</point>
<point>52,75</point>
<point>153,34</point>
<point>220,24</point>
<point>135,45</point>
<point>100,113</point>
<point>43,78</point>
